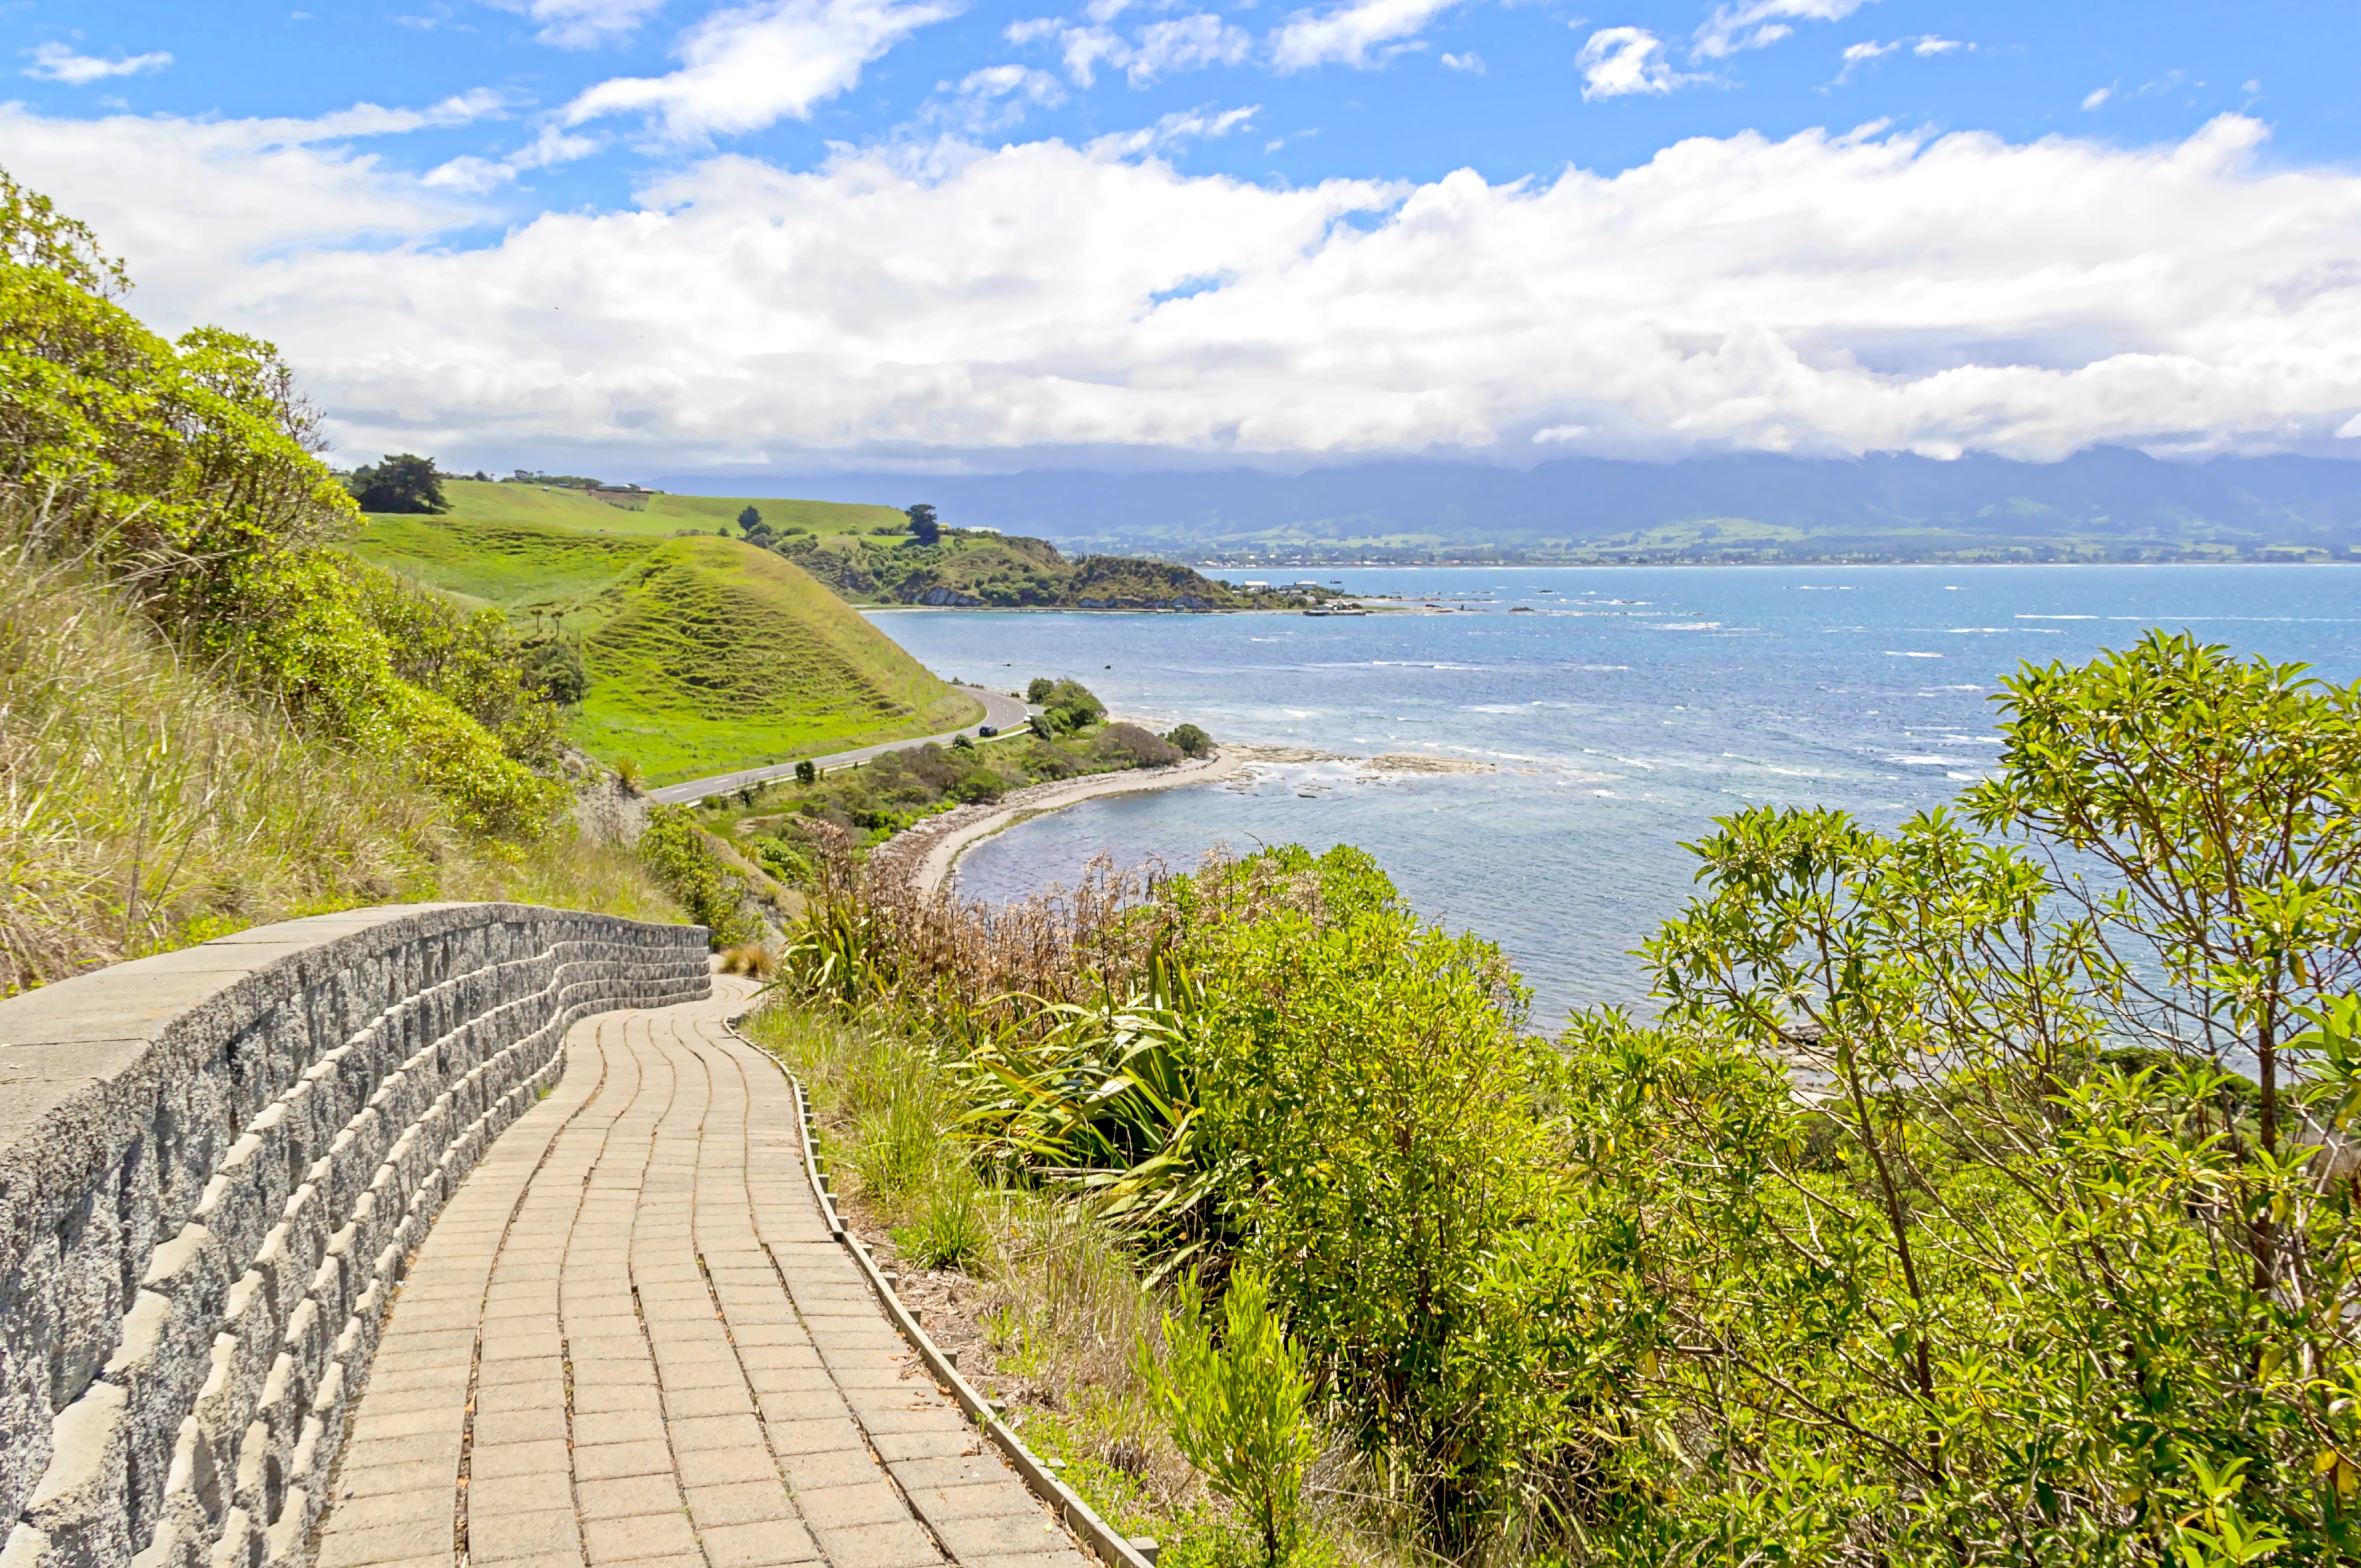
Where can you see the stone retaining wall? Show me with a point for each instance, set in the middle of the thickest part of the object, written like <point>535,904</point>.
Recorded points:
<point>213,1164</point>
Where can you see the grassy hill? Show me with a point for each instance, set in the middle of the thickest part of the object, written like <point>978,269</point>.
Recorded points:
<point>656,517</point>
<point>704,653</point>
<point>710,654</point>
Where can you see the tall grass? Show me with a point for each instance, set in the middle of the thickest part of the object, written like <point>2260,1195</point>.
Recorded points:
<point>1066,1305</point>
<point>146,805</point>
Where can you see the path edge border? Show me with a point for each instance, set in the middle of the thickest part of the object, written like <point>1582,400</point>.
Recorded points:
<point>1110,1546</point>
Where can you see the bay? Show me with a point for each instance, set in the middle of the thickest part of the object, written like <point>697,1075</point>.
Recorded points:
<point>1616,711</point>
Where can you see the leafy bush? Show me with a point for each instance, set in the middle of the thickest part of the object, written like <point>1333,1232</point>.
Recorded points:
<point>681,857</point>
<point>1238,1409</point>
<point>806,772</point>
<point>1132,747</point>
<point>1188,740</point>
<point>978,784</point>
<point>186,473</point>
<point>1037,690</point>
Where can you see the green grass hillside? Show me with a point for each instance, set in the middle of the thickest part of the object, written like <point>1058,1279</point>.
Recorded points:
<point>704,653</point>
<point>520,569</point>
<point>659,517</point>
<point>711,654</point>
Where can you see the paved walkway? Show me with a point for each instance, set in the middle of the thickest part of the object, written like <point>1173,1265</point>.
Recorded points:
<point>1001,711</point>
<point>629,1338</point>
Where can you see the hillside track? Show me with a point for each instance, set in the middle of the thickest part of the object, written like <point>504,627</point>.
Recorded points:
<point>630,1338</point>
<point>1001,711</point>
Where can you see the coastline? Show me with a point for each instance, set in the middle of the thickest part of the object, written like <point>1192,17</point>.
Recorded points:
<point>927,852</point>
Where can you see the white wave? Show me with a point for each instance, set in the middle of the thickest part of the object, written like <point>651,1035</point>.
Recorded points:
<point>2022,616</point>
<point>1897,653</point>
<point>1933,762</point>
<point>1690,626</point>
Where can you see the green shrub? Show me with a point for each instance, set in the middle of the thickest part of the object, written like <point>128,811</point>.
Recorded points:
<point>979,784</point>
<point>1132,747</point>
<point>185,472</point>
<point>681,857</point>
<point>1037,690</point>
<point>1238,1409</point>
<point>806,772</point>
<point>1188,740</point>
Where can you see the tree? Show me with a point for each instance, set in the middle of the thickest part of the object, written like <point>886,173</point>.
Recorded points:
<point>403,482</point>
<point>750,520</point>
<point>1192,740</point>
<point>923,526</point>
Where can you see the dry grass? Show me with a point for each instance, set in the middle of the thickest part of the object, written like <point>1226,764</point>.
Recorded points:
<point>144,805</point>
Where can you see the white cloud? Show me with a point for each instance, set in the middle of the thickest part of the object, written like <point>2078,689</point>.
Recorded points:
<point>1862,54</point>
<point>1366,33</point>
<point>1185,43</point>
<point>584,24</point>
<point>1189,43</point>
<point>1470,62</point>
<point>1820,294</point>
<point>749,67</point>
<point>56,62</point>
<point>2350,430</point>
<point>1615,61</point>
<point>994,98</point>
<point>1188,125</point>
<point>1925,46</point>
<point>1758,23</point>
<point>2093,100</point>
<point>471,175</point>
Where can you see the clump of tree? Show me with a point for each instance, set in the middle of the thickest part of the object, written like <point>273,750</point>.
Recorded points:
<point>1067,705</point>
<point>924,529</point>
<point>403,482</point>
<point>1189,740</point>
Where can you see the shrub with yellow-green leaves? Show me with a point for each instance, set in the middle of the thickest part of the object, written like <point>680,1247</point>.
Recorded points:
<point>186,473</point>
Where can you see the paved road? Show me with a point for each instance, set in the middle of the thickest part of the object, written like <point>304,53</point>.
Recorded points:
<point>1000,710</point>
<point>630,1339</point>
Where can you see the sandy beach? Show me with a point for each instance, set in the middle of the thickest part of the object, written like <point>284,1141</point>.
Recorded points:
<point>927,851</point>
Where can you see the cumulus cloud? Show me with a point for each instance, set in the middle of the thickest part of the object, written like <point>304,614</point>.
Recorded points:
<point>56,62</point>
<point>1932,45</point>
<point>1616,62</point>
<point>1820,294</point>
<point>1470,62</point>
<point>1758,23</point>
<point>1363,34</point>
<point>750,67</point>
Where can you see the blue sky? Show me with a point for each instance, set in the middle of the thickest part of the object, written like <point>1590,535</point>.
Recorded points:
<point>585,183</point>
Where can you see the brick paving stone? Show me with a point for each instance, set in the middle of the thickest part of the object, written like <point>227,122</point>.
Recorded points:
<point>673,1361</point>
<point>757,1545</point>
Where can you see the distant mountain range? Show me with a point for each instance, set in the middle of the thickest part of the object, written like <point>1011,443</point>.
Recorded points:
<point>2105,504</point>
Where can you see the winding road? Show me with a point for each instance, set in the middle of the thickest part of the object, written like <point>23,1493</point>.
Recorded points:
<point>1000,710</point>
<point>630,1339</point>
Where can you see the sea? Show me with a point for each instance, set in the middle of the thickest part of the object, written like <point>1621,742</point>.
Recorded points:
<point>1609,714</point>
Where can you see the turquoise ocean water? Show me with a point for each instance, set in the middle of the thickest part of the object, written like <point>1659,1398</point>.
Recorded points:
<point>1625,709</point>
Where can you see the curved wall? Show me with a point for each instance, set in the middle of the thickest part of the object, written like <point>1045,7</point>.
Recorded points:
<point>213,1164</point>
